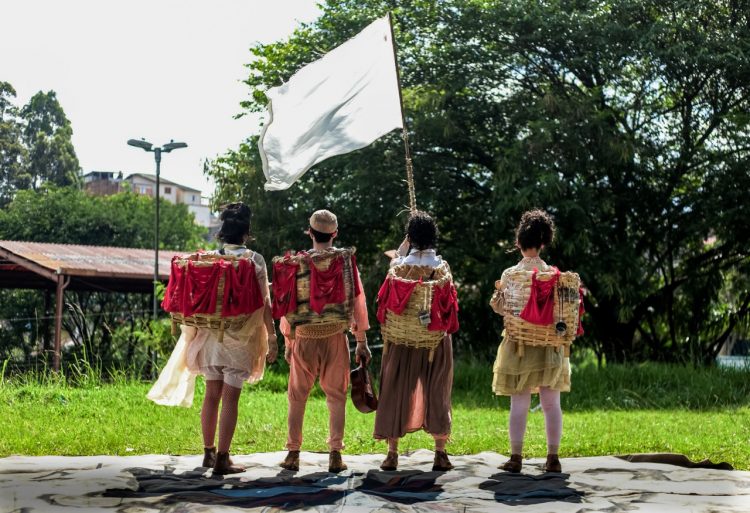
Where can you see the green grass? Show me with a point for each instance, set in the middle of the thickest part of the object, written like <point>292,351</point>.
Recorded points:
<point>703,413</point>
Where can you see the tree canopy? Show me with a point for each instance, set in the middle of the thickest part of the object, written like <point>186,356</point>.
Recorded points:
<point>627,120</point>
<point>35,144</point>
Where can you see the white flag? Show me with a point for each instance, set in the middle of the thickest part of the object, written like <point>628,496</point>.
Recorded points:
<point>337,104</point>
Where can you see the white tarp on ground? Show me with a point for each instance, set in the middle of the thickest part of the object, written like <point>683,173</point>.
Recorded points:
<point>143,484</point>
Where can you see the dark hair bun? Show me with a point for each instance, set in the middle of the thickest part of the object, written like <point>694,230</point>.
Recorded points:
<point>535,230</point>
<point>236,212</point>
<point>422,230</point>
<point>235,224</point>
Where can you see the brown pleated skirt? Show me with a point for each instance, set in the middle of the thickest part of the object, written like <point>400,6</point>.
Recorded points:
<point>414,392</point>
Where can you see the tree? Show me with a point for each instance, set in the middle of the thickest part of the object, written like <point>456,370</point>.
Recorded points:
<point>47,135</point>
<point>12,151</point>
<point>626,120</point>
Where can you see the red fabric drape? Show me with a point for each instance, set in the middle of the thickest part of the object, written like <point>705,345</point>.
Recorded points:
<point>581,311</point>
<point>242,294</point>
<point>444,309</point>
<point>173,294</point>
<point>541,304</point>
<point>284,288</point>
<point>192,290</point>
<point>199,295</point>
<point>394,296</point>
<point>326,287</point>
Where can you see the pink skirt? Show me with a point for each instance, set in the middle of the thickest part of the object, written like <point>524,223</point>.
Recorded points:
<point>414,392</point>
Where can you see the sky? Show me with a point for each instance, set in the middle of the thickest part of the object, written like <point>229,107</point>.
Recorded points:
<point>153,69</point>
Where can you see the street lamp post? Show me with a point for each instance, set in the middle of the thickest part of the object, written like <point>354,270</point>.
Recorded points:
<point>147,146</point>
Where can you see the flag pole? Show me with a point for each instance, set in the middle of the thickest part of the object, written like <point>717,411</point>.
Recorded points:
<point>404,132</point>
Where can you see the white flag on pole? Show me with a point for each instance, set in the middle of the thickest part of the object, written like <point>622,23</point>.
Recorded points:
<point>337,104</point>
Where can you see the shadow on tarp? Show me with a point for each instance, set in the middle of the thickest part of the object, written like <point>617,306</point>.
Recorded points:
<point>526,489</point>
<point>286,490</point>
<point>402,486</point>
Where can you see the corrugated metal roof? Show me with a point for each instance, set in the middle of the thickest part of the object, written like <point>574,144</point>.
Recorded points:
<point>104,261</point>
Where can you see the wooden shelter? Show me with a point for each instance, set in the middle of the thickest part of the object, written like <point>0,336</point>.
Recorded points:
<point>61,267</point>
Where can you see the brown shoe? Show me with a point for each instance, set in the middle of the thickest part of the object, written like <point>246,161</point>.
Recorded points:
<point>390,462</point>
<point>335,465</point>
<point>514,464</point>
<point>291,462</point>
<point>209,457</point>
<point>225,465</point>
<point>441,462</point>
<point>553,464</point>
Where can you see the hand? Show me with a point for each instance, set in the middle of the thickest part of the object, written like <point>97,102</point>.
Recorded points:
<point>288,353</point>
<point>362,354</point>
<point>273,348</point>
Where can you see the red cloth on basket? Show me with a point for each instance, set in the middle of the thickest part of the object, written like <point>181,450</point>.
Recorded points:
<point>444,309</point>
<point>394,296</point>
<point>199,295</point>
<point>242,293</point>
<point>284,288</point>
<point>326,286</point>
<point>541,304</point>
<point>173,294</point>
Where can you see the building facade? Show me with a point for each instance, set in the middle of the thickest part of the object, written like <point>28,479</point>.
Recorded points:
<point>104,183</point>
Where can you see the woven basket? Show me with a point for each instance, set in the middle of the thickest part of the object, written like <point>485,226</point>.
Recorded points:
<point>214,321</point>
<point>407,329</point>
<point>516,292</point>
<point>338,314</point>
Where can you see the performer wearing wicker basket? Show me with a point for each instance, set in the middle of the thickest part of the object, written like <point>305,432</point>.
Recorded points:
<point>227,357</point>
<point>539,326</point>
<point>417,308</point>
<point>318,295</point>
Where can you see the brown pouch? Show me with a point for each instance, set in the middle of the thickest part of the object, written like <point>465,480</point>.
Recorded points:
<point>363,393</point>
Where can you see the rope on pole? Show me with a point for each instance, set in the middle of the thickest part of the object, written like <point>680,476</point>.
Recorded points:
<point>409,172</point>
<point>405,132</point>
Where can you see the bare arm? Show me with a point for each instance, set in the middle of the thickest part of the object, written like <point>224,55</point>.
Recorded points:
<point>273,346</point>
<point>360,325</point>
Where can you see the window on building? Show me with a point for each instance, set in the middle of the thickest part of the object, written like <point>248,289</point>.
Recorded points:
<point>193,198</point>
<point>167,190</point>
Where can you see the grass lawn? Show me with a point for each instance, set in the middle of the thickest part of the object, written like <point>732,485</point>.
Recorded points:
<point>702,413</point>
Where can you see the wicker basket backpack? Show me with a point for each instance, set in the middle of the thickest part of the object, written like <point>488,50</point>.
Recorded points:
<point>293,300</point>
<point>410,327</point>
<point>516,290</point>
<point>213,291</point>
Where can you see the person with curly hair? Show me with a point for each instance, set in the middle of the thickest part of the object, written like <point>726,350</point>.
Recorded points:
<point>537,369</point>
<point>415,383</point>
